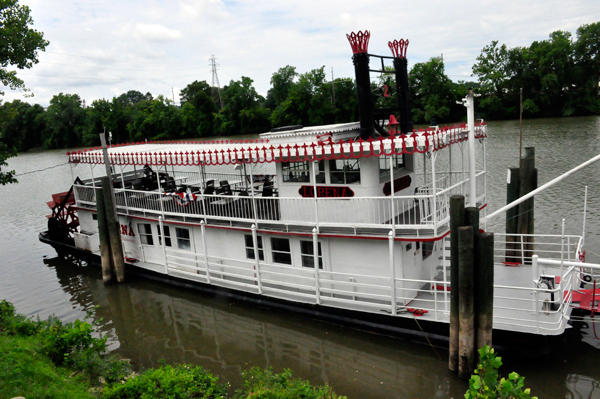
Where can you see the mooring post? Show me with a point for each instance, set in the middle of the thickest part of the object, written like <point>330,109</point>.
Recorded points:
<point>484,283</point>
<point>105,253</point>
<point>513,185</point>
<point>116,246</point>
<point>528,183</point>
<point>466,342</point>
<point>457,218</point>
<point>472,219</point>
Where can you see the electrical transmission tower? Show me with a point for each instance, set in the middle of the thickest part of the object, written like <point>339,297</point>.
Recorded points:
<point>215,80</point>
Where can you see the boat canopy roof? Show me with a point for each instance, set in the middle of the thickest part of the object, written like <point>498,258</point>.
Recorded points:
<point>301,144</point>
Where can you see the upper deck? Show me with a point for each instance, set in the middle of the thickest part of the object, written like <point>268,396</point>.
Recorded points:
<point>271,181</point>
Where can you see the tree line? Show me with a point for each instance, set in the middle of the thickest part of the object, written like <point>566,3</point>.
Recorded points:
<point>559,77</point>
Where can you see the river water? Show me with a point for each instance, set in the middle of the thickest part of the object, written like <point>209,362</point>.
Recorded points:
<point>149,322</point>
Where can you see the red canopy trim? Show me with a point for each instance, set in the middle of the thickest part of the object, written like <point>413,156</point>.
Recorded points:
<point>422,141</point>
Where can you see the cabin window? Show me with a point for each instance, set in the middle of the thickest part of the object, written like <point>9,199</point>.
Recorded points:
<point>384,163</point>
<point>145,230</point>
<point>250,247</point>
<point>344,171</point>
<point>308,256</point>
<point>167,235</point>
<point>320,172</point>
<point>183,238</point>
<point>280,247</point>
<point>296,172</point>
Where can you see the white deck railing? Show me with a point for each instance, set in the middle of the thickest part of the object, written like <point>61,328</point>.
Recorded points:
<point>519,305</point>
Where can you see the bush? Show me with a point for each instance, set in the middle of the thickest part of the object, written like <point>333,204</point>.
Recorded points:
<point>175,382</point>
<point>12,323</point>
<point>263,384</point>
<point>486,383</point>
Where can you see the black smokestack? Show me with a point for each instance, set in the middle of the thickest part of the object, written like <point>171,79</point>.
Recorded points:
<point>360,44</point>
<point>401,67</point>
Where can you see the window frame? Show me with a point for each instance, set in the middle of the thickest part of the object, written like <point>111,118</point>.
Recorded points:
<point>344,172</point>
<point>168,240</point>
<point>277,253</point>
<point>311,254</point>
<point>147,235</point>
<point>400,164</point>
<point>179,239</point>
<point>250,248</point>
<point>296,168</point>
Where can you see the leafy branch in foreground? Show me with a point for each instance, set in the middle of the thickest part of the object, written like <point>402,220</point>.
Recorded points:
<point>486,382</point>
<point>5,153</point>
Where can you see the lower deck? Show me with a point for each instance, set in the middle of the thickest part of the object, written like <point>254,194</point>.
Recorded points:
<point>388,277</point>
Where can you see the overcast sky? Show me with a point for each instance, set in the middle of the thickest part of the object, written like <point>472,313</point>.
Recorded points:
<point>102,48</point>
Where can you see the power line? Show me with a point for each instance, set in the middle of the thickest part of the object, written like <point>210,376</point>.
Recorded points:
<point>130,62</point>
<point>107,79</point>
<point>41,170</point>
<point>119,69</point>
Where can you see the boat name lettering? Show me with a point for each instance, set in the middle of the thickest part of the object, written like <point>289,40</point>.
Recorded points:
<point>127,231</point>
<point>326,191</point>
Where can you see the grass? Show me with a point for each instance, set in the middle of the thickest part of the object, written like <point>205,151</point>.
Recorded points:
<point>26,372</point>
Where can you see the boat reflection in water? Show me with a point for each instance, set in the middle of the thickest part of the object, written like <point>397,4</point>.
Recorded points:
<point>150,322</point>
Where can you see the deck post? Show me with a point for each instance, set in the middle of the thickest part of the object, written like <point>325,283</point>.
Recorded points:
<point>450,163</point>
<point>392,193</point>
<point>93,179</point>
<point>202,188</point>
<point>162,234</point>
<point>160,193</point>
<point>470,104</point>
<point>484,283</point>
<point>466,344</point>
<point>392,272</point>
<point>315,234</point>
<point>114,233</point>
<point>105,253</point>
<point>254,211</point>
<point>562,261</point>
<point>314,179</point>
<point>457,218</point>
<point>434,194</point>
<point>257,259</point>
<point>535,276</point>
<point>207,269</point>
<point>123,188</point>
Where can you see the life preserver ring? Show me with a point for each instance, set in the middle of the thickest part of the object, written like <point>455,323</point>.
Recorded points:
<point>581,256</point>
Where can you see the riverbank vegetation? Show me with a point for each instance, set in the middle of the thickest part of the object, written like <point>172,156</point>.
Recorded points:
<point>52,359</point>
<point>559,77</point>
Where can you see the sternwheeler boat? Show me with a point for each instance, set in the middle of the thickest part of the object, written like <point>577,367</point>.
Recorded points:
<point>348,223</point>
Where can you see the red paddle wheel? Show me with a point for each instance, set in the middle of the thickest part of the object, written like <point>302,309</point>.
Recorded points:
<point>63,222</point>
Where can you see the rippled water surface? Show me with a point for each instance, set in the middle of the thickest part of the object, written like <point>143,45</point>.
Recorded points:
<point>148,321</point>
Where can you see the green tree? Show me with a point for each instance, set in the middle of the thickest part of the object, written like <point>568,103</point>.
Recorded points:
<point>64,120</point>
<point>241,96</point>
<point>308,102</point>
<point>198,109</point>
<point>282,82</point>
<point>19,43</point>
<point>431,91</point>
<point>19,125</point>
<point>6,152</point>
<point>158,119</point>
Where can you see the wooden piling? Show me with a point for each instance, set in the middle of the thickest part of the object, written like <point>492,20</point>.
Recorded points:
<point>114,233</point>
<point>457,218</point>
<point>484,283</point>
<point>472,219</point>
<point>466,344</point>
<point>513,186</point>
<point>528,182</point>
<point>105,253</point>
